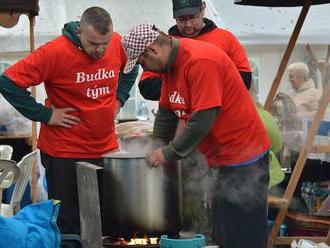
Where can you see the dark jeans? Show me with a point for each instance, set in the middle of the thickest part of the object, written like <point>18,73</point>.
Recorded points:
<point>62,185</point>
<point>240,205</point>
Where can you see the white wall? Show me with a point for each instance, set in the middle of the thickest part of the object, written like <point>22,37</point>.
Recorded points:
<point>269,57</point>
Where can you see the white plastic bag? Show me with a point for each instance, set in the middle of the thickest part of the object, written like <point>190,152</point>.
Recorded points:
<point>42,183</point>
<point>303,243</point>
<point>12,120</point>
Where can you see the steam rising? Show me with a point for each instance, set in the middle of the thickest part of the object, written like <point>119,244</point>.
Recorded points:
<point>142,145</point>
<point>198,186</point>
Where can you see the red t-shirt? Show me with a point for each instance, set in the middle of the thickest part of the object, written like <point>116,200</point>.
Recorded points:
<point>229,44</point>
<point>204,77</point>
<point>73,79</point>
<point>223,39</point>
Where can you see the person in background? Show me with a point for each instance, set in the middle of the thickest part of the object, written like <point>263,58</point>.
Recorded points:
<point>80,71</point>
<point>190,23</point>
<point>202,86</point>
<point>303,93</point>
<point>306,99</point>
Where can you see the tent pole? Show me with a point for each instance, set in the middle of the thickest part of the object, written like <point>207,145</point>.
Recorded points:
<point>34,126</point>
<point>287,54</point>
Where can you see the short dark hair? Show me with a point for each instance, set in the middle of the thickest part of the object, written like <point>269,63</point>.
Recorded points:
<point>98,17</point>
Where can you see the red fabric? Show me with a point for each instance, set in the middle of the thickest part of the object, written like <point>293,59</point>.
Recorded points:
<point>224,40</point>
<point>204,77</point>
<point>72,79</point>
<point>148,74</point>
<point>229,44</point>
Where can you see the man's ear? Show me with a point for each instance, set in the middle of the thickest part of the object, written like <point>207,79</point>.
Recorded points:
<point>152,49</point>
<point>78,31</point>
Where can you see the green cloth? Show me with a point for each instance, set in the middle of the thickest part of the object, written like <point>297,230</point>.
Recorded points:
<point>125,84</point>
<point>272,129</point>
<point>275,170</point>
<point>70,31</point>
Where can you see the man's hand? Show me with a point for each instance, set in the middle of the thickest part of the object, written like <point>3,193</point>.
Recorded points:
<point>156,157</point>
<point>61,117</point>
<point>119,104</point>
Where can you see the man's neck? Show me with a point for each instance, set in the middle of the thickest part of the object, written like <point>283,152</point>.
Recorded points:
<point>174,53</point>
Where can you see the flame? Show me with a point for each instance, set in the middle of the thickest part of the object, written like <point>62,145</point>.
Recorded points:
<point>154,241</point>
<point>143,241</point>
<point>138,241</point>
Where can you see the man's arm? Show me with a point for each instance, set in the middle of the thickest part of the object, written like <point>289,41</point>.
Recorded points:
<point>24,103</point>
<point>125,84</point>
<point>196,128</point>
<point>165,125</point>
<point>247,78</point>
<point>22,100</point>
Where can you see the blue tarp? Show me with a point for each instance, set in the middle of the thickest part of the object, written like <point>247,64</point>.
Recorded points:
<point>33,227</point>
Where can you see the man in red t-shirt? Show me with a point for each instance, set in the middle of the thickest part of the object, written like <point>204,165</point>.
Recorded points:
<point>202,87</point>
<point>80,71</point>
<point>190,23</point>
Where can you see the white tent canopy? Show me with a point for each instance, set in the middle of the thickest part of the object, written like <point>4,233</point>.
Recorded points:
<point>252,25</point>
<point>264,25</point>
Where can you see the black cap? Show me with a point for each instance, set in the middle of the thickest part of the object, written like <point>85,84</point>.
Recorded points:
<point>186,7</point>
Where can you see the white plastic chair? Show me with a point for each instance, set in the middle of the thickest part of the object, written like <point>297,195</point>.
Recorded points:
<point>6,152</point>
<point>9,172</point>
<point>25,166</point>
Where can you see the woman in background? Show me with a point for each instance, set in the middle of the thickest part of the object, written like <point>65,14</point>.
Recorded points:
<point>303,93</point>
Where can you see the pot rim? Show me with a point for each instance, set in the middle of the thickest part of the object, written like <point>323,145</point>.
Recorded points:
<point>124,155</point>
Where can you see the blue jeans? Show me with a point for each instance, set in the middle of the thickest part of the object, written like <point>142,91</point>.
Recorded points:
<point>240,205</point>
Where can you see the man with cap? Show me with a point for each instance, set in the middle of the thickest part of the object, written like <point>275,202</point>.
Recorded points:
<point>190,23</point>
<point>221,121</point>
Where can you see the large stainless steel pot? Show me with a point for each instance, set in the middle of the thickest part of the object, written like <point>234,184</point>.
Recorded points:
<point>140,198</point>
